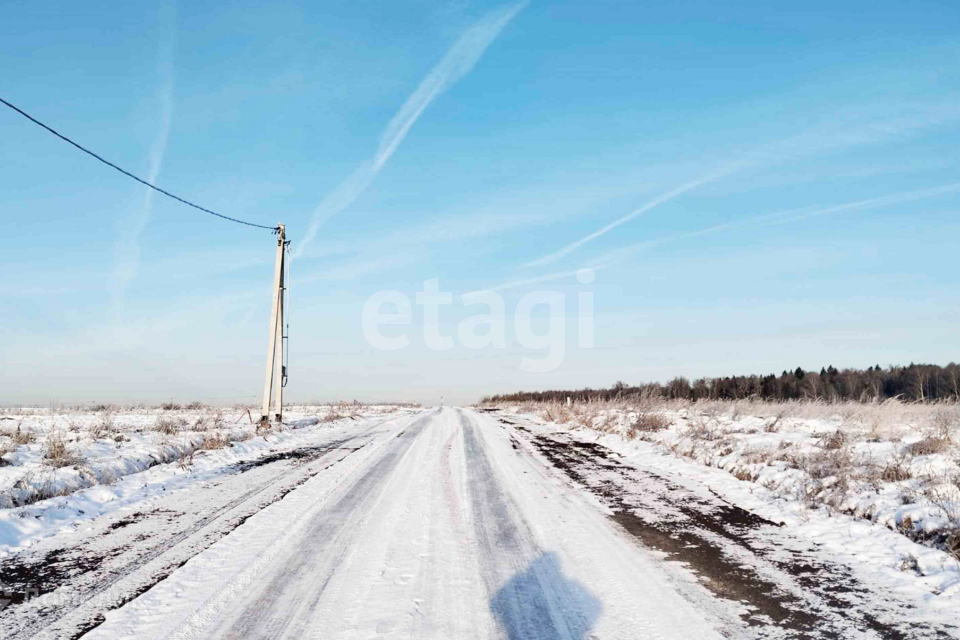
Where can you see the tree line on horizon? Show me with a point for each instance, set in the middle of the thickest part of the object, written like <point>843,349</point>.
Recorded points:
<point>911,383</point>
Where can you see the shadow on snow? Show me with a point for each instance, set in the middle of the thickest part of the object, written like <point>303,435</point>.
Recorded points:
<point>541,603</point>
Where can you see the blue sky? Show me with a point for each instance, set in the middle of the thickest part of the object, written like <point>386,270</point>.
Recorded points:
<point>757,188</point>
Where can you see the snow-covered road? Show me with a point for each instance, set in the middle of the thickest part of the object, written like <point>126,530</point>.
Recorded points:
<point>450,523</point>
<point>443,530</point>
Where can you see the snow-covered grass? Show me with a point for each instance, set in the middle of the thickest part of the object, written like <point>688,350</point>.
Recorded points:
<point>894,463</point>
<point>54,451</point>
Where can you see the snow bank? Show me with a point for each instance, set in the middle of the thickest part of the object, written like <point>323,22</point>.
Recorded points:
<point>115,457</point>
<point>893,493</point>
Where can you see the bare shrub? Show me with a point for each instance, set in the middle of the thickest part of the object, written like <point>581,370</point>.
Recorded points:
<point>57,453</point>
<point>185,459</point>
<point>909,564</point>
<point>905,526</point>
<point>20,436</point>
<point>835,440</point>
<point>200,424</point>
<point>828,463</point>
<point>946,496</point>
<point>895,472</point>
<point>647,423</point>
<point>193,406</point>
<point>102,426</point>
<point>745,475</point>
<point>551,413</point>
<point>169,426</point>
<point>212,441</point>
<point>757,455</point>
<point>24,437</point>
<point>929,446</point>
<point>953,544</point>
<point>6,446</point>
<point>703,427</point>
<point>945,421</point>
<point>736,412</point>
<point>170,406</point>
<point>898,468</point>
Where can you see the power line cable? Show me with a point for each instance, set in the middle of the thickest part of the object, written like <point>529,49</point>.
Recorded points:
<point>128,174</point>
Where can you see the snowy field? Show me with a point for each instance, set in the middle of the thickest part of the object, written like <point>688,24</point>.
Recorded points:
<point>883,479</point>
<point>393,521</point>
<point>62,463</point>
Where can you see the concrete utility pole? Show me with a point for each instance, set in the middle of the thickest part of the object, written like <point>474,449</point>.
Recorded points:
<point>276,372</point>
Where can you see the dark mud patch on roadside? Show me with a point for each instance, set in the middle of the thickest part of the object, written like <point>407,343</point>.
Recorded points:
<point>726,578</point>
<point>97,620</point>
<point>301,455</point>
<point>126,522</point>
<point>717,541</point>
<point>28,577</point>
<point>25,578</point>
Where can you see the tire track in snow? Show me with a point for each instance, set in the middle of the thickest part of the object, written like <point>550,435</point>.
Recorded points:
<point>530,597</point>
<point>443,532</point>
<point>297,584</point>
<point>83,612</point>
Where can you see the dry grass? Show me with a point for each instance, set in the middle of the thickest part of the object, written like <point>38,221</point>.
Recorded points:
<point>843,449</point>
<point>57,453</point>
<point>952,545</point>
<point>6,446</point>
<point>169,426</point>
<point>647,423</point>
<point>945,422</point>
<point>704,427</point>
<point>171,437</point>
<point>835,440</point>
<point>212,441</point>
<point>929,446</point>
<point>104,427</point>
<point>887,420</point>
<point>19,436</point>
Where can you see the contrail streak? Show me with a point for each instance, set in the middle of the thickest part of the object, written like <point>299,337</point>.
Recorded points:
<point>670,195</point>
<point>781,217</point>
<point>513,284</point>
<point>618,256</point>
<point>457,63</point>
<point>808,142</point>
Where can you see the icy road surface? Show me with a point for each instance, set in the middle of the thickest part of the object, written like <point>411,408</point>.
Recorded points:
<point>456,524</point>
